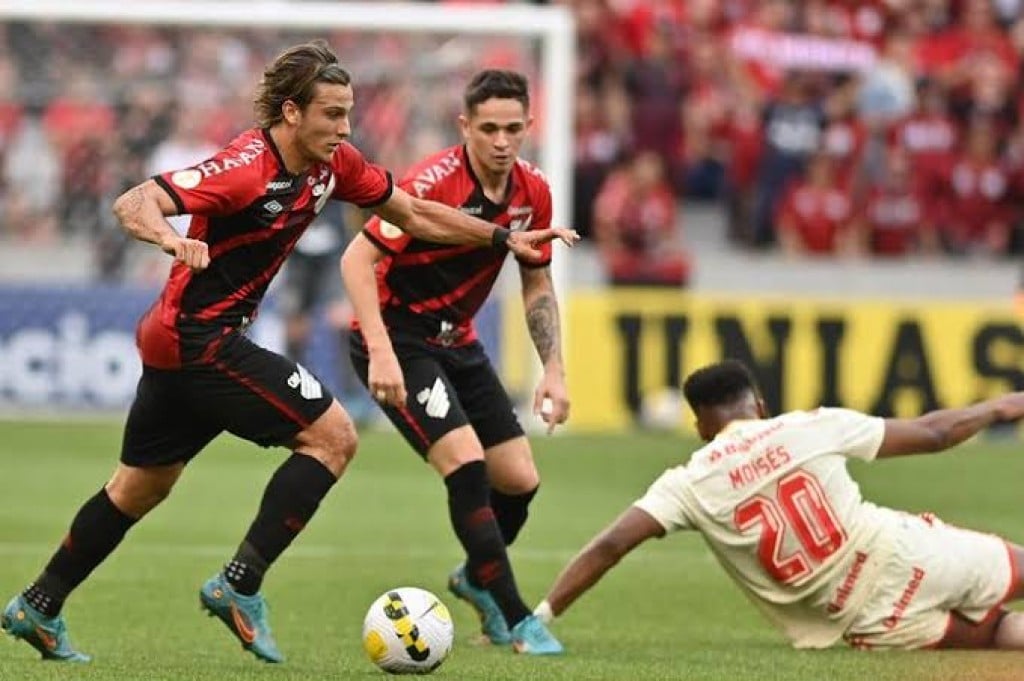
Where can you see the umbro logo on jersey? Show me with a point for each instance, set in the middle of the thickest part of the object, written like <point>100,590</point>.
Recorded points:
<point>308,386</point>
<point>278,185</point>
<point>436,399</point>
<point>273,207</point>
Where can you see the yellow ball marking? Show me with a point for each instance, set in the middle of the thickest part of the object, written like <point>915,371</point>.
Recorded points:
<point>375,646</point>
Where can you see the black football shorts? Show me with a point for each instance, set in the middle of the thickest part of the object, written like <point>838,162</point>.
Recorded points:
<point>448,387</point>
<point>241,388</point>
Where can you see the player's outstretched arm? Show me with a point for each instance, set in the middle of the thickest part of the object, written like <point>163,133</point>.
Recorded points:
<point>543,322</point>
<point>385,379</point>
<point>628,531</point>
<point>442,224</point>
<point>944,428</point>
<point>142,212</point>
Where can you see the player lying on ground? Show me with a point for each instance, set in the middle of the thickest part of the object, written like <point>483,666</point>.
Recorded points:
<point>201,376</point>
<point>776,505</point>
<point>415,302</point>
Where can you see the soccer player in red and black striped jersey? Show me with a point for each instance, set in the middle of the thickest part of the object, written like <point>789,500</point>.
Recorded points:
<point>415,302</point>
<point>201,376</point>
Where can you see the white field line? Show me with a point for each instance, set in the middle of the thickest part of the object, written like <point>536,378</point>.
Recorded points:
<point>315,551</point>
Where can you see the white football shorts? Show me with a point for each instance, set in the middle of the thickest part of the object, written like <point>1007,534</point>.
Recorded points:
<point>935,569</point>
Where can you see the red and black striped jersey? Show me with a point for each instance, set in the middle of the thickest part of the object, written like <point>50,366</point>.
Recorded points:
<point>251,211</point>
<point>434,290</point>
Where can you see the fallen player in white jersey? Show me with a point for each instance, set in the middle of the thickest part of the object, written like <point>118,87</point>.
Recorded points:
<point>775,503</point>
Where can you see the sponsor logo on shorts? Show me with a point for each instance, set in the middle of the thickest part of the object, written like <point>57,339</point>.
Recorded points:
<point>449,334</point>
<point>306,383</point>
<point>436,399</point>
<point>899,608</point>
<point>846,588</point>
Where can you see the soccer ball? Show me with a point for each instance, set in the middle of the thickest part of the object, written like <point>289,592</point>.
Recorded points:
<point>408,631</point>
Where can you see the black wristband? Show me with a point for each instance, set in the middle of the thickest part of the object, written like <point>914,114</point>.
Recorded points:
<point>499,238</point>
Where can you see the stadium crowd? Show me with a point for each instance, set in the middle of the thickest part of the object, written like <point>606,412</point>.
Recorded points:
<point>823,127</point>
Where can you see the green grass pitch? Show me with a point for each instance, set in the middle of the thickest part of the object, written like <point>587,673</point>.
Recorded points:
<point>667,612</point>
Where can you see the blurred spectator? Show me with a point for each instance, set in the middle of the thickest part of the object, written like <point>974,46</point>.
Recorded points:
<point>845,136</point>
<point>11,109</point>
<point>952,55</point>
<point>596,148</point>
<point>930,136</point>
<point>793,125</point>
<point>81,124</point>
<point>655,83</point>
<point>637,226</point>
<point>705,112</point>
<point>978,190</point>
<point>744,137</point>
<point>31,170</point>
<point>895,220</point>
<point>765,19</point>
<point>816,217</point>
<point>600,45</point>
<point>887,91</point>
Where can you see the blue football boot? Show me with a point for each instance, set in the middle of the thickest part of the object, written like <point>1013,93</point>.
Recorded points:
<point>48,635</point>
<point>492,622</point>
<point>531,637</point>
<point>245,616</point>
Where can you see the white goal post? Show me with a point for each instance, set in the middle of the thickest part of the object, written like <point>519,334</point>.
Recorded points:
<point>552,25</point>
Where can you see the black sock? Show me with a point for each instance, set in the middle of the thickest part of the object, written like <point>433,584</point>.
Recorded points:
<point>245,571</point>
<point>96,530</point>
<point>487,564</point>
<point>511,511</point>
<point>290,500</point>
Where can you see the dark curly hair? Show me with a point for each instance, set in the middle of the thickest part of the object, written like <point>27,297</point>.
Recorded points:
<point>719,384</point>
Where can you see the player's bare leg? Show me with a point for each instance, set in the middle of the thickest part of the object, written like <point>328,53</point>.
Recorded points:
<point>137,491</point>
<point>321,453</point>
<point>97,529</point>
<point>1002,629</point>
<point>1010,633</point>
<point>514,481</point>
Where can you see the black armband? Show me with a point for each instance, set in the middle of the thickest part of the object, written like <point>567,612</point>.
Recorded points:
<point>499,238</point>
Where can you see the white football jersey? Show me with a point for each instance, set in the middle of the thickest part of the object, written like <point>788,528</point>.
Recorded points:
<point>775,503</point>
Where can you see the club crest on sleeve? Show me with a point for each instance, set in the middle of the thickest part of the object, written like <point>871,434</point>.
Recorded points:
<point>187,179</point>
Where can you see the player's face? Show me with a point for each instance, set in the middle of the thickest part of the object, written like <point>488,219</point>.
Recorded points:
<point>494,132</point>
<point>324,124</point>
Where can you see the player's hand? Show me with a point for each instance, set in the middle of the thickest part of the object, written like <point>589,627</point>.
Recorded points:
<point>526,245</point>
<point>551,402</point>
<point>192,252</point>
<point>387,384</point>
<point>1010,407</point>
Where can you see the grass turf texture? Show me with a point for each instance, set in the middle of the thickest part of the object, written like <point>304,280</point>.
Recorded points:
<point>667,612</point>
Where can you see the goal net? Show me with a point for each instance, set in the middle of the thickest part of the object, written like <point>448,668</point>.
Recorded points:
<point>97,95</point>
